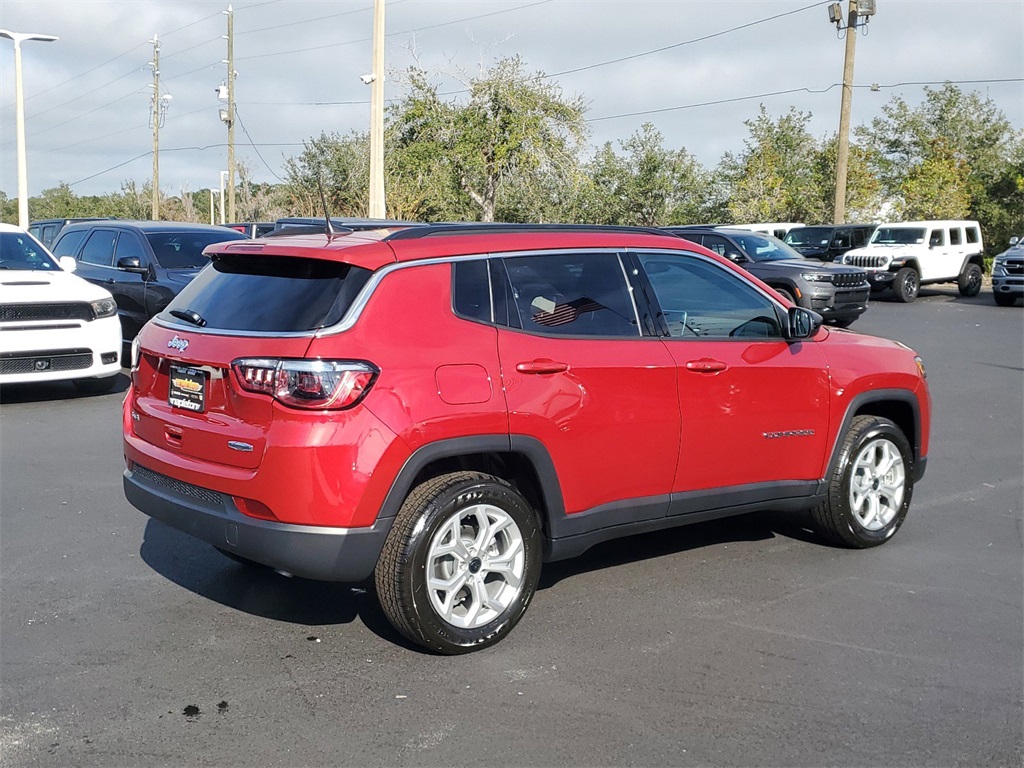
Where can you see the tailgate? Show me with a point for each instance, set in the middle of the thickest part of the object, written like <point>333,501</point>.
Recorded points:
<point>186,401</point>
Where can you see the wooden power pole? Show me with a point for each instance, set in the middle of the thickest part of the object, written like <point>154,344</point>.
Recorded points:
<point>231,115</point>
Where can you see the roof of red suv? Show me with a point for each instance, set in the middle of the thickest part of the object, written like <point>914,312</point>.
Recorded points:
<point>373,249</point>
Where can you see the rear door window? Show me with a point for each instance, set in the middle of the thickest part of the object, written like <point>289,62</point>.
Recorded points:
<point>68,243</point>
<point>270,294</point>
<point>99,248</point>
<point>578,294</point>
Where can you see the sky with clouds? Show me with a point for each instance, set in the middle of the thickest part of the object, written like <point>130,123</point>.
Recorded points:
<point>695,69</point>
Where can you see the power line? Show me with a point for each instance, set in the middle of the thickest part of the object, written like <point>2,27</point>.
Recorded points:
<point>179,149</point>
<point>253,145</point>
<point>317,20</point>
<point>393,34</point>
<point>686,42</point>
<point>873,86</point>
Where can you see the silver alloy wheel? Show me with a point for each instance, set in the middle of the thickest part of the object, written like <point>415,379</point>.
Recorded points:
<point>475,566</point>
<point>877,484</point>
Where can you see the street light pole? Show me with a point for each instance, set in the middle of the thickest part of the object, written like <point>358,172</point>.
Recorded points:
<point>377,206</point>
<point>19,99</point>
<point>223,180</point>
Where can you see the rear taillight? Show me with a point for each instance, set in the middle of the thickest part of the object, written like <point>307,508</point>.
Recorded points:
<point>307,383</point>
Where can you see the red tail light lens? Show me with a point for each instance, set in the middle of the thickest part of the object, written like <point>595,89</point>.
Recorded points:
<point>316,384</point>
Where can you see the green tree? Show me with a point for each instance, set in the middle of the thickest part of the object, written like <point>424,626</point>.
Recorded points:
<point>937,187</point>
<point>949,126</point>
<point>341,164</point>
<point>864,197</point>
<point>515,129</point>
<point>650,185</point>
<point>774,178</point>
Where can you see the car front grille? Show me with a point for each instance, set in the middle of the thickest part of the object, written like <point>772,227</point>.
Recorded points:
<point>13,313</point>
<point>867,262</point>
<point>179,487</point>
<point>849,280</point>
<point>45,361</point>
<point>1014,266</point>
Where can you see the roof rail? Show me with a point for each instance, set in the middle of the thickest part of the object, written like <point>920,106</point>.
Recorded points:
<point>486,228</point>
<point>312,229</point>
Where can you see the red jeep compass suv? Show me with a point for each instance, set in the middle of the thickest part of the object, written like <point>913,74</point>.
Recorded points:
<point>446,407</point>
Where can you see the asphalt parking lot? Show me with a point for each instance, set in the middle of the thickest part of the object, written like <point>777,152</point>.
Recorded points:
<point>742,642</point>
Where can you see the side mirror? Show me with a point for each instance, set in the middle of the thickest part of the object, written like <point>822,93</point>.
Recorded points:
<point>131,264</point>
<point>68,263</point>
<point>1014,240</point>
<point>802,323</point>
<point>735,256</point>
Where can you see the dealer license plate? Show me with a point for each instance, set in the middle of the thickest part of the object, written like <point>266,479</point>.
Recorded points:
<point>187,388</point>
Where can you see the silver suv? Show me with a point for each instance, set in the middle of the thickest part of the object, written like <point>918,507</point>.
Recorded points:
<point>1008,274</point>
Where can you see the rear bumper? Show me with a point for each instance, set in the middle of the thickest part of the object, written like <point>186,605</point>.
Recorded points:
<point>312,552</point>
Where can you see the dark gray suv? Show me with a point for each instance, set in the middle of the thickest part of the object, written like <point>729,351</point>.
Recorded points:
<point>838,293</point>
<point>144,264</point>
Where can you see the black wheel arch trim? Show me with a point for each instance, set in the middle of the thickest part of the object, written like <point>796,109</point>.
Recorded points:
<point>531,448</point>
<point>902,396</point>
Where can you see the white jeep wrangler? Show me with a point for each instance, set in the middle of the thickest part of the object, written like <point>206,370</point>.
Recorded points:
<point>906,255</point>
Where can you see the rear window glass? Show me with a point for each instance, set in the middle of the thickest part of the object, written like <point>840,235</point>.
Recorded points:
<point>270,294</point>
<point>184,250</point>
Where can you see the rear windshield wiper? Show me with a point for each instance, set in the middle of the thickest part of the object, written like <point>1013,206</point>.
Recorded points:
<point>189,316</point>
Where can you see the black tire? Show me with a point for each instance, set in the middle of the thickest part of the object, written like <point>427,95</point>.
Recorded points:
<point>836,518</point>
<point>432,509</point>
<point>1005,299</point>
<point>969,281</point>
<point>787,296</point>
<point>906,285</point>
<point>96,386</point>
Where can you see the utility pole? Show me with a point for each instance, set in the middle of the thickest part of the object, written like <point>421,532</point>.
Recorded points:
<point>377,206</point>
<point>865,9</point>
<point>155,117</point>
<point>228,115</point>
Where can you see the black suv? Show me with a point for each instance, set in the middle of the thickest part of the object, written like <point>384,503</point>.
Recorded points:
<point>838,293</point>
<point>144,264</point>
<point>827,242</point>
<point>46,230</point>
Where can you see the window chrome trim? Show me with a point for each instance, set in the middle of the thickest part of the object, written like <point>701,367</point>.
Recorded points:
<point>363,298</point>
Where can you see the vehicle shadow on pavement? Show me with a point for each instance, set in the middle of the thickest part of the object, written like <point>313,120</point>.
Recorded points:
<point>755,526</point>
<point>48,391</point>
<point>257,590</point>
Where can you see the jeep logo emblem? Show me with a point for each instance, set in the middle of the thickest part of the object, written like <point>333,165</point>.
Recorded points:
<point>177,343</point>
